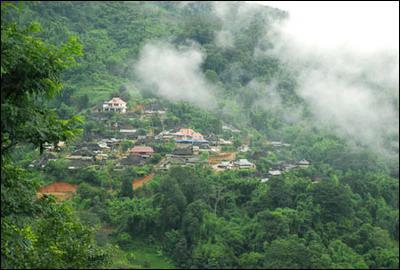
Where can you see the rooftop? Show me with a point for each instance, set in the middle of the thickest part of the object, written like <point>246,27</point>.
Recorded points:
<point>116,100</point>
<point>141,149</point>
<point>243,162</point>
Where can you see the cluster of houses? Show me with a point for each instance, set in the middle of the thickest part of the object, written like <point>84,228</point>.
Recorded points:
<point>237,164</point>
<point>286,167</point>
<point>118,105</point>
<point>189,144</point>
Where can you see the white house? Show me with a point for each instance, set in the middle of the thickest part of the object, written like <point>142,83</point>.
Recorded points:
<point>274,172</point>
<point>244,164</point>
<point>303,163</point>
<point>115,105</point>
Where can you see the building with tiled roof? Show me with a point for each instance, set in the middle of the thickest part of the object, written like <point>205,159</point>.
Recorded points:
<point>189,135</point>
<point>116,104</point>
<point>143,151</point>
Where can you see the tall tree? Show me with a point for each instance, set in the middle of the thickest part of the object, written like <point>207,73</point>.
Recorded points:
<point>35,233</point>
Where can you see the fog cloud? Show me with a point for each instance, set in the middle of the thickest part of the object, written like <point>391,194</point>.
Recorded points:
<point>351,85</point>
<point>175,73</point>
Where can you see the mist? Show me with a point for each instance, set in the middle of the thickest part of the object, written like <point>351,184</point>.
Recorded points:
<point>348,78</point>
<point>174,73</point>
<point>346,66</point>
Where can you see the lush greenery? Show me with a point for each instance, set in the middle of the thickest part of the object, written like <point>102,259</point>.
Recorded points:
<point>60,59</point>
<point>35,233</point>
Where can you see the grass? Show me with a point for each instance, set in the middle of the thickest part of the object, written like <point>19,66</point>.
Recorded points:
<point>140,255</point>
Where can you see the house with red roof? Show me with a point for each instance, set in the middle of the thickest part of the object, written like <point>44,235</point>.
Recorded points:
<point>143,151</point>
<point>188,135</point>
<point>116,104</point>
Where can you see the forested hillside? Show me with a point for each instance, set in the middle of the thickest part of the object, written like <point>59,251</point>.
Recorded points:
<point>171,135</point>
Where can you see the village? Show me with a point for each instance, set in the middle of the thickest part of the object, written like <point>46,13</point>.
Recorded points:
<point>128,146</point>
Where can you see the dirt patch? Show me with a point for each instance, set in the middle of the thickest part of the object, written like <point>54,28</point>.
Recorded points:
<point>60,190</point>
<point>220,157</point>
<point>136,183</point>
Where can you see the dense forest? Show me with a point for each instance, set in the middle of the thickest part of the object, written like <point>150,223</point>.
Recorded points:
<point>312,199</point>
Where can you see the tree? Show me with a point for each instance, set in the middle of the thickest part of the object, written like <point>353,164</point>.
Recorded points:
<point>287,253</point>
<point>214,256</point>
<point>83,102</point>
<point>172,202</point>
<point>192,220</point>
<point>126,188</point>
<point>30,71</point>
<point>155,158</point>
<point>334,199</point>
<point>35,234</point>
<point>251,260</point>
<point>175,245</point>
<point>344,257</point>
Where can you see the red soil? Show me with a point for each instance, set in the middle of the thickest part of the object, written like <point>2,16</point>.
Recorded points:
<point>136,183</point>
<point>222,156</point>
<point>61,190</point>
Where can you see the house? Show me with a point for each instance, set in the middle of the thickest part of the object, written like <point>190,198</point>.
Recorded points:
<point>183,150</point>
<point>303,163</point>
<point>154,108</point>
<point>128,129</point>
<point>53,146</point>
<point>128,132</point>
<point>84,152</point>
<point>116,104</point>
<point>182,161</point>
<point>276,143</point>
<point>42,161</point>
<point>244,164</point>
<point>264,180</point>
<point>274,172</point>
<point>165,135</point>
<point>143,151</point>
<point>187,135</point>
<point>141,139</point>
<point>289,167</point>
<point>132,160</point>
<point>229,128</point>
<point>243,148</point>
<point>110,143</point>
<point>101,156</point>
<point>221,141</point>
<point>224,165</point>
<point>212,139</point>
<point>103,146</point>
<point>94,147</point>
<point>79,163</point>
<point>79,157</point>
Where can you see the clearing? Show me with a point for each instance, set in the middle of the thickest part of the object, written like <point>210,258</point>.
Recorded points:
<point>60,190</point>
<point>137,183</point>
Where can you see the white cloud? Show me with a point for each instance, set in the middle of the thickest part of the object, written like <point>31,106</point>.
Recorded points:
<point>366,26</point>
<point>175,73</point>
<point>346,59</point>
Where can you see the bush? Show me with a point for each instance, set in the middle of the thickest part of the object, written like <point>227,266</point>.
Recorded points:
<point>124,240</point>
<point>155,158</point>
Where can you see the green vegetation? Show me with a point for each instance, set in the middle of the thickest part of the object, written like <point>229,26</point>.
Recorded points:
<point>60,59</point>
<point>35,233</point>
